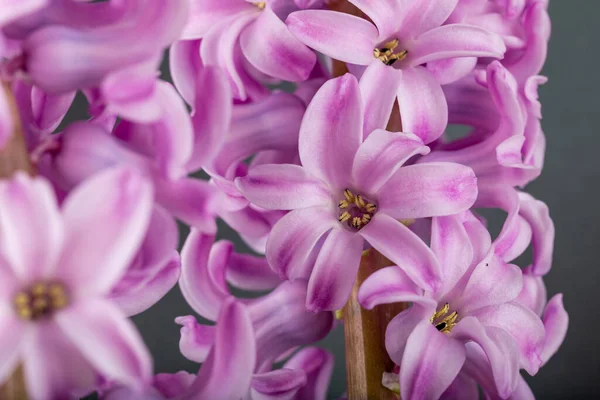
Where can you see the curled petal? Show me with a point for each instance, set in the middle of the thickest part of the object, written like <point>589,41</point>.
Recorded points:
<point>390,285</point>
<point>281,384</point>
<point>185,65</point>
<point>533,295</point>
<point>196,340</point>
<point>556,322</point>
<point>401,327</point>
<point>205,14</point>
<point>463,388</point>
<point>317,364</point>
<point>250,272</point>
<point>536,213</point>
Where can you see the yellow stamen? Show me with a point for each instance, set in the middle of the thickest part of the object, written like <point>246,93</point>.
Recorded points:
<point>344,204</point>
<point>349,196</point>
<point>22,298</point>
<point>366,218</point>
<point>448,322</point>
<point>359,201</point>
<point>339,314</point>
<point>370,208</point>
<point>386,53</point>
<point>356,222</point>
<point>261,5</point>
<point>345,217</point>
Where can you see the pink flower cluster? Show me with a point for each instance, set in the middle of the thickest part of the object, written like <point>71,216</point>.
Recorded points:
<point>309,178</point>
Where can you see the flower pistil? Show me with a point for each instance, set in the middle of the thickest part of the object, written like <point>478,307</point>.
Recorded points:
<point>387,54</point>
<point>40,299</point>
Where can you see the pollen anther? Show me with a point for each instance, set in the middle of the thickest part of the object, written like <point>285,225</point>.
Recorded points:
<point>357,211</point>
<point>386,53</point>
<point>443,321</point>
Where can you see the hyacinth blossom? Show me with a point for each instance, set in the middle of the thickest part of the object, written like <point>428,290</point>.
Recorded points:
<point>348,192</point>
<point>310,175</point>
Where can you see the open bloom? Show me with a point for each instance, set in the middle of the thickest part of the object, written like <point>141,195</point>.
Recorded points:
<point>348,191</point>
<point>476,303</point>
<point>57,268</point>
<point>405,35</point>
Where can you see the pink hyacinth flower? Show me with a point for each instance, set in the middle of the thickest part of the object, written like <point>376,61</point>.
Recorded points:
<point>57,268</point>
<point>476,303</point>
<point>347,192</point>
<point>404,36</point>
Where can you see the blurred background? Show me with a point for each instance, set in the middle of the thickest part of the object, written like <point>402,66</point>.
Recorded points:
<point>570,185</point>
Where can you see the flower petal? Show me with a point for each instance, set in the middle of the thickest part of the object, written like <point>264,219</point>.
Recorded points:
<point>108,340</point>
<point>281,384</point>
<point>11,337</point>
<point>185,65</point>
<point>423,16</point>
<point>536,213</point>
<point>31,230</point>
<point>380,156</point>
<point>404,248</point>
<point>204,14</point>
<point>272,49</point>
<point>463,388</point>
<point>556,322</point>
<point>250,272</point>
<point>533,295</point>
<point>317,364</point>
<point>196,340</point>
<point>117,203</point>
<point>294,236</point>
<point>423,373</point>
<point>523,325</point>
<point>331,131</point>
<point>422,104</point>
<point>335,271</point>
<point>452,69</point>
<point>12,10</point>
<point>455,40</point>
<point>228,369</point>
<point>402,325</point>
<point>378,103</point>
<point>327,32</point>
<point>430,189</point>
<point>283,187</point>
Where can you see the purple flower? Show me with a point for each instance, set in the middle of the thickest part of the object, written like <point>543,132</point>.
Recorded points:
<point>57,268</point>
<point>476,303</point>
<point>13,10</point>
<point>405,35</point>
<point>348,191</point>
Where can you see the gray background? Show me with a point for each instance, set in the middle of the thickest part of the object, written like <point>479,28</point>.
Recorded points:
<point>569,185</point>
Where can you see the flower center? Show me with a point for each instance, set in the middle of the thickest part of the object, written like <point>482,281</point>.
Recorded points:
<point>444,321</point>
<point>355,211</point>
<point>40,300</point>
<point>260,5</point>
<point>388,54</point>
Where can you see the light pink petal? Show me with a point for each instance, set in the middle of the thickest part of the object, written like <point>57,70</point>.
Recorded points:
<point>479,236</point>
<point>499,347</point>
<point>185,65</point>
<point>380,156</point>
<point>12,10</point>
<point>404,248</point>
<point>378,103</point>
<point>523,391</point>
<point>331,131</point>
<point>228,369</point>
<point>31,230</point>
<point>116,205</point>
<point>455,40</point>
<point>249,272</point>
<point>53,366</point>
<point>6,122</point>
<point>211,116</point>
<point>335,271</point>
<point>424,17</point>
<point>463,388</point>
<point>452,69</point>
<point>387,15</point>
<point>49,109</point>
<point>523,325</point>
<point>423,373</point>
<point>196,340</point>
<point>283,187</point>
<point>281,384</point>
<point>272,49</point>
<point>422,104</point>
<point>492,282</point>
<point>295,235</point>
<point>390,285</point>
<point>11,336</point>
<point>533,295</point>
<point>108,340</point>
<point>426,190</point>
<point>556,322</point>
<point>401,327</point>
<point>172,385</point>
<point>536,213</point>
<point>318,365</point>
<point>327,32</point>
<point>203,267</point>
<point>205,14</point>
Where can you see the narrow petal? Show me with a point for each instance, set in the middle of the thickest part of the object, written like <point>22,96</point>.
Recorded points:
<point>452,69</point>
<point>327,32</point>
<point>173,385</point>
<point>523,325</point>
<point>117,203</point>
<point>556,322</point>
<point>455,40</point>
<point>53,366</point>
<point>31,230</point>
<point>335,271</point>
<point>11,337</point>
<point>500,349</point>
<point>228,369</point>
<point>390,285</point>
<point>386,14</point>
<point>533,295</point>
<point>250,272</point>
<point>272,49</point>
<point>378,86</point>
<point>423,373</point>
<point>423,16</point>
<point>380,156</point>
<point>202,281</point>
<point>452,247</point>
<point>405,249</point>
<point>204,14</point>
<point>295,235</point>
<point>317,364</point>
<point>422,104</point>
<point>331,131</point>
<point>426,190</point>
<point>283,187</point>
<point>196,340</point>
<point>463,388</point>
<point>536,213</point>
<point>108,340</point>
<point>281,384</point>
<point>402,326</point>
<point>185,65</point>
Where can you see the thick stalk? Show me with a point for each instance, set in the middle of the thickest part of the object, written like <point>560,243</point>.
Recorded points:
<point>14,157</point>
